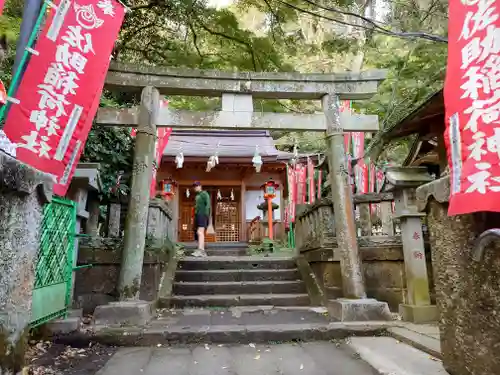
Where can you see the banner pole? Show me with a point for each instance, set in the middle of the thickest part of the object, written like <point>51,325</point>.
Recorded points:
<point>21,48</point>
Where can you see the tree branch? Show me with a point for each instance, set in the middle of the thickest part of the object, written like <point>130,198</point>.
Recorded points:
<point>373,25</point>
<point>229,37</point>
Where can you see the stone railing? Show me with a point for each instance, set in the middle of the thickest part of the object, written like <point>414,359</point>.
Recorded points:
<point>99,257</point>
<point>386,261</point>
<point>159,225</point>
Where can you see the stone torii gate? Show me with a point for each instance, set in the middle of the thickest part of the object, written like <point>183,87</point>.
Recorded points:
<point>237,90</point>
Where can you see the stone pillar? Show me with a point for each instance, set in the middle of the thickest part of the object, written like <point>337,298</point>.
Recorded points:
<point>355,305</point>
<point>386,218</point>
<point>79,195</point>
<point>92,226</point>
<point>158,225</point>
<point>467,292</point>
<point>135,226</point>
<point>402,182</point>
<point>365,219</point>
<point>23,192</point>
<point>113,220</point>
<point>130,310</point>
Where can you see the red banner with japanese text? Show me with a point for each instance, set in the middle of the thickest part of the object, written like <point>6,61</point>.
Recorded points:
<point>472,101</point>
<point>59,93</point>
<point>320,180</point>
<point>161,143</point>
<point>310,179</point>
<point>292,193</point>
<point>301,177</point>
<point>2,3</point>
<point>360,170</point>
<point>162,137</point>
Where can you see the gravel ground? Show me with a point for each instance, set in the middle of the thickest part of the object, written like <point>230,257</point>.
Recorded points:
<point>46,358</point>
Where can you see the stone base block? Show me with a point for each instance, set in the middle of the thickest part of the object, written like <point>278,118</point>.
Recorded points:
<point>419,314</point>
<point>64,326</point>
<point>355,310</point>
<point>132,313</point>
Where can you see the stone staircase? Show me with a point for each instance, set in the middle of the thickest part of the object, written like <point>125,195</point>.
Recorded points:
<point>222,281</point>
<point>230,299</point>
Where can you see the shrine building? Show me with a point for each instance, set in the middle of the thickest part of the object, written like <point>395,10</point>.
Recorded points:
<point>234,185</point>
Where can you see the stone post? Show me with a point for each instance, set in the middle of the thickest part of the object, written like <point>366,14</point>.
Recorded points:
<point>23,192</point>
<point>92,226</point>
<point>402,182</point>
<point>355,305</point>
<point>137,215</point>
<point>467,292</point>
<point>158,225</point>
<point>113,220</point>
<point>130,310</point>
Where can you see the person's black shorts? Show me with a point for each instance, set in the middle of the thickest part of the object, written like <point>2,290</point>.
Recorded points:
<point>200,221</point>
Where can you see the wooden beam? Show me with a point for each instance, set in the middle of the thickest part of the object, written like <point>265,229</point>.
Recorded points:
<point>182,119</point>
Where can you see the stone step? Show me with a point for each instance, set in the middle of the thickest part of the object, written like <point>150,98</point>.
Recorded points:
<point>217,245</point>
<point>237,275</point>
<point>228,252</point>
<point>159,334</point>
<point>238,287</point>
<point>225,300</point>
<point>391,357</point>
<point>237,315</point>
<point>235,263</point>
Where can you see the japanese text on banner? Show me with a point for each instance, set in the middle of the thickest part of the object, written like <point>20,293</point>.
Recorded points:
<point>58,96</point>
<point>473,106</point>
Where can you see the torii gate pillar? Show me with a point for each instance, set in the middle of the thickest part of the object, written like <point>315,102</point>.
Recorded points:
<point>354,306</point>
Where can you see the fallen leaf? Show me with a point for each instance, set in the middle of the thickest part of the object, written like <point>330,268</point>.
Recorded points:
<point>268,350</point>
<point>251,345</point>
<point>159,345</point>
<point>257,356</point>
<point>224,367</point>
<point>301,366</point>
<point>207,347</point>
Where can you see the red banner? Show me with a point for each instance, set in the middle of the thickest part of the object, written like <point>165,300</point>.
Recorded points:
<point>58,95</point>
<point>360,170</point>
<point>161,143</point>
<point>472,100</point>
<point>301,177</point>
<point>2,3</point>
<point>310,179</point>
<point>292,193</point>
<point>162,137</point>
<point>320,179</point>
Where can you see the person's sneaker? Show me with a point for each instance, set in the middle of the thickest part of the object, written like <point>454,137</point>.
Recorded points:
<point>200,253</point>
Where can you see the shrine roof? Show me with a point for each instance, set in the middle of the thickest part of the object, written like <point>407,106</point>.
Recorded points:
<point>426,119</point>
<point>229,143</point>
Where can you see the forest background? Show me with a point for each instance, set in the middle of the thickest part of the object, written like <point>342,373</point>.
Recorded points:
<point>406,37</point>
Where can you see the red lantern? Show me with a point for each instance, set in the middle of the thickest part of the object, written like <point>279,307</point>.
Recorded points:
<point>269,189</point>
<point>168,188</point>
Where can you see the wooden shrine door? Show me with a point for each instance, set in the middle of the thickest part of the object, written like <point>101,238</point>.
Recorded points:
<point>226,217</point>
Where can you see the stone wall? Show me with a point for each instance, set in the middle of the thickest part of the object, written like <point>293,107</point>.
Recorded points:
<point>468,291</point>
<point>23,192</point>
<point>383,266</point>
<point>96,285</point>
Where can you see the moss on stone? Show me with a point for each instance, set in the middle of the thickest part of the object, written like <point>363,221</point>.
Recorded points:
<point>12,354</point>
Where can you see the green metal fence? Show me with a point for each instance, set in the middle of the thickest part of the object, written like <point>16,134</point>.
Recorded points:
<point>53,277</point>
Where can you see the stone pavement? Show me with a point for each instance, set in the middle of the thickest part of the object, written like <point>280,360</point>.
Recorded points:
<point>421,336</point>
<point>353,356</point>
<point>314,358</point>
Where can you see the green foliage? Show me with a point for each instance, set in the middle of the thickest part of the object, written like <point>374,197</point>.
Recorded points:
<point>268,246</point>
<point>112,148</point>
<point>270,35</point>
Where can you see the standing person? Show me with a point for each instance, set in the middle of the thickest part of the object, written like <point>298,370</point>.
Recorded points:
<point>201,215</point>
